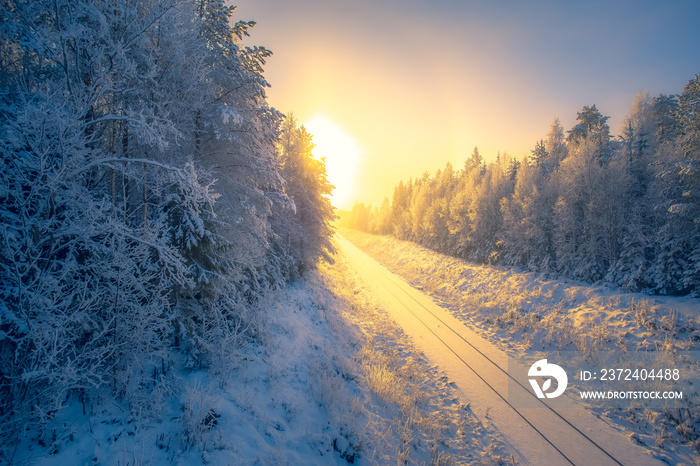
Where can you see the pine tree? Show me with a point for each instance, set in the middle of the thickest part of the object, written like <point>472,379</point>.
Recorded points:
<point>639,142</point>
<point>666,113</point>
<point>592,124</point>
<point>540,158</point>
<point>555,145</point>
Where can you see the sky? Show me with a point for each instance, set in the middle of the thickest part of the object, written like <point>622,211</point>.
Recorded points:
<point>393,88</point>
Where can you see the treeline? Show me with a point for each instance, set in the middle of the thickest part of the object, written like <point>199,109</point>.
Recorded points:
<point>149,197</point>
<point>623,211</point>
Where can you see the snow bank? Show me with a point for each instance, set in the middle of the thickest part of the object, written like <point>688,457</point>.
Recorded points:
<point>288,400</point>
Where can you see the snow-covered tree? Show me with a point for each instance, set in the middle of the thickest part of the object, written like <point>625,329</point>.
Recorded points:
<point>623,211</point>
<point>555,145</point>
<point>308,228</point>
<point>458,219</point>
<point>592,124</point>
<point>87,265</point>
<point>120,120</point>
<point>666,114</point>
<point>400,217</point>
<point>670,249</point>
<point>678,258</point>
<point>527,232</point>
<point>639,142</point>
<point>540,157</point>
<point>381,221</point>
<point>485,214</point>
<point>588,213</point>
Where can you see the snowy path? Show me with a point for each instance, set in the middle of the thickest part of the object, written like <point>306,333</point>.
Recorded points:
<point>538,435</point>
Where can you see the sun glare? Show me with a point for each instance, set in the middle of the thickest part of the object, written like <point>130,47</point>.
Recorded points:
<point>342,155</point>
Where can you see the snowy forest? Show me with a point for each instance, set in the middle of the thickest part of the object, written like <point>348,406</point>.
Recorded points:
<point>149,198</point>
<point>619,210</point>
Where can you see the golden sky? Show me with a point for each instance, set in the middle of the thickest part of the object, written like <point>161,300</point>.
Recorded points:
<point>414,84</point>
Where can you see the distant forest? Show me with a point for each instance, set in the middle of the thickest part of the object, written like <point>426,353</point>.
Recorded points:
<point>619,210</point>
<point>149,197</point>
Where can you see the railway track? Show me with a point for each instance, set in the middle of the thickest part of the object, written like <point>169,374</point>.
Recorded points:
<point>538,432</point>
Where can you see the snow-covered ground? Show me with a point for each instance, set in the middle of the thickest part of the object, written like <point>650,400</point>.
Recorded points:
<point>411,409</point>
<point>328,379</point>
<point>522,311</point>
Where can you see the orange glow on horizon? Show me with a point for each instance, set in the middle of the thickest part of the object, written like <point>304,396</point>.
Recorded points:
<point>472,74</point>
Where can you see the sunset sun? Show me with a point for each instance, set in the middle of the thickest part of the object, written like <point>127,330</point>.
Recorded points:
<point>341,154</point>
